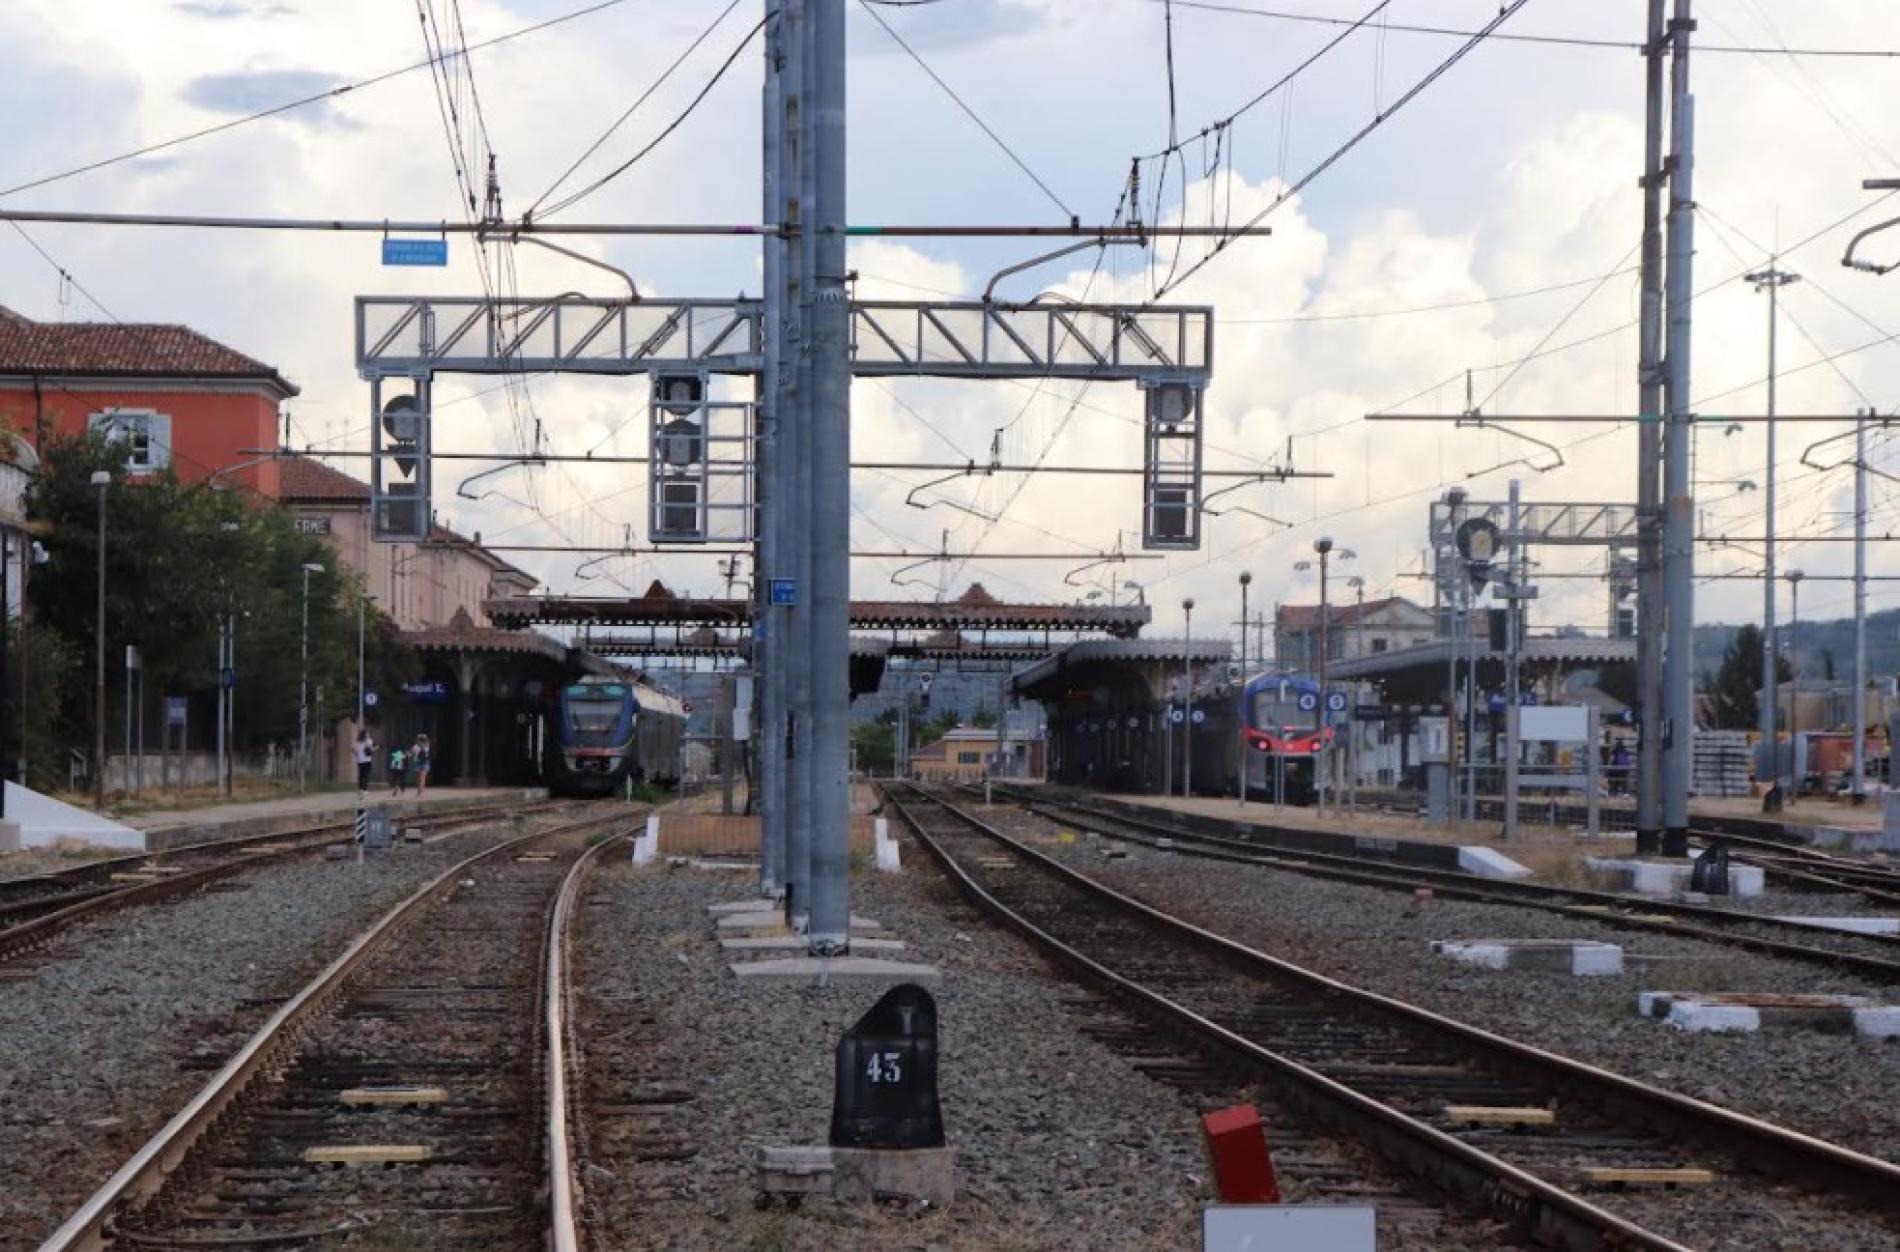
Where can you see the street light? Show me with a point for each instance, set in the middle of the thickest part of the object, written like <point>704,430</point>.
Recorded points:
<point>1794,683</point>
<point>1187,713</point>
<point>1140,591</point>
<point>101,479</point>
<point>1245,579</point>
<point>303,683</point>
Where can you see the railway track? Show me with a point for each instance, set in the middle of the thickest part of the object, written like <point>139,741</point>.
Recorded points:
<point>1406,1081</point>
<point>415,1094</point>
<point>1874,957</point>
<point>37,909</point>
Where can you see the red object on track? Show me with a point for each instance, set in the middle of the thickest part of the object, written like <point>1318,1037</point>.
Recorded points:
<point>1236,1144</point>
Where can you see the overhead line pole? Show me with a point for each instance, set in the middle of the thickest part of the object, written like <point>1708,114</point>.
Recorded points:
<point>1649,598</point>
<point>794,406</point>
<point>771,475</point>
<point>830,487</point>
<point>1773,279</point>
<point>1679,498</point>
<point>1859,792</point>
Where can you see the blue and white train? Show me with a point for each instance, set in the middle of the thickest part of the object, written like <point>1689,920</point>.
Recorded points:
<point>609,730</point>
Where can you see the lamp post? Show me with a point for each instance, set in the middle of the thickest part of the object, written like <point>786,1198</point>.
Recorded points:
<point>1324,547</point>
<point>102,480</point>
<point>1187,707</point>
<point>303,683</point>
<point>1796,764</point>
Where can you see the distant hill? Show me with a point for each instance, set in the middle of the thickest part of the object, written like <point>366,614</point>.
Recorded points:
<point>1813,640</point>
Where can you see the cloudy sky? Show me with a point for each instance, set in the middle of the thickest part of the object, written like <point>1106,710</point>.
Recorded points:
<point>1493,219</point>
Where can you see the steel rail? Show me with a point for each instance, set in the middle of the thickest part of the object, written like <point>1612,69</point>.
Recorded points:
<point>140,1178</point>
<point>1799,1157</point>
<point>1541,1211</point>
<point>27,935</point>
<point>1583,903</point>
<point>563,1061</point>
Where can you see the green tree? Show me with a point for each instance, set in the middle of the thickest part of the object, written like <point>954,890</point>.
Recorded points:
<point>1732,687</point>
<point>983,718</point>
<point>876,745</point>
<point>176,559</point>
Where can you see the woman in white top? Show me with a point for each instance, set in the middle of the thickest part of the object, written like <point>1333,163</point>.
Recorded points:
<point>365,753</point>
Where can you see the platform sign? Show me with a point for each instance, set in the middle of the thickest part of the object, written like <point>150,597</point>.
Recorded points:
<point>428,691</point>
<point>1200,715</point>
<point>1175,716</point>
<point>1335,702</point>
<point>884,1094</point>
<point>371,699</point>
<point>1309,702</point>
<point>783,591</point>
<point>415,252</point>
<point>175,711</point>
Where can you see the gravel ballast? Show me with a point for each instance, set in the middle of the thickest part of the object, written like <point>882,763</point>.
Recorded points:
<point>134,1011</point>
<point>1061,1142</point>
<point>1838,1088</point>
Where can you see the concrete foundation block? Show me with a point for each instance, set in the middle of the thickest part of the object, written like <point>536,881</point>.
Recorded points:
<point>751,905</point>
<point>1490,863</point>
<point>1665,878</point>
<point>1579,958</point>
<point>798,943</point>
<point>794,1171</point>
<point>9,836</point>
<point>860,1174</point>
<point>926,1174</point>
<point>770,922</point>
<point>811,971</point>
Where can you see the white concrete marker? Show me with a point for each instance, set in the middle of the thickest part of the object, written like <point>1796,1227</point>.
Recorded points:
<point>1288,1228</point>
<point>1579,958</point>
<point>1715,1012</point>
<point>1664,878</point>
<point>1490,863</point>
<point>1851,925</point>
<point>44,821</point>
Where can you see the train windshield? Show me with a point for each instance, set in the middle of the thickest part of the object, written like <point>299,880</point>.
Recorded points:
<point>595,711</point>
<point>1277,707</point>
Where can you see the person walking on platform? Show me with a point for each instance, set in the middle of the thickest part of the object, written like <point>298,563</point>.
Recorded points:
<point>365,754</point>
<point>419,756</point>
<point>398,769</point>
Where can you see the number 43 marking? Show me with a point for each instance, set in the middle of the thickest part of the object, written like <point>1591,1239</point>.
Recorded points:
<point>885,1067</point>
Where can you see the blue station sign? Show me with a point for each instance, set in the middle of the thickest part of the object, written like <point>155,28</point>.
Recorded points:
<point>415,252</point>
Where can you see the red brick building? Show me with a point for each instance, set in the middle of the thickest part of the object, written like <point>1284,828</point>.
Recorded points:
<point>175,396</point>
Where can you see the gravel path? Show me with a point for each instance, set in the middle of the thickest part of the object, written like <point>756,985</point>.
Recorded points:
<point>1835,1087</point>
<point>99,1048</point>
<point>1061,1142</point>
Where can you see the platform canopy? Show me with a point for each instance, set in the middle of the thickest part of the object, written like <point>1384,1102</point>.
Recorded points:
<point>974,611</point>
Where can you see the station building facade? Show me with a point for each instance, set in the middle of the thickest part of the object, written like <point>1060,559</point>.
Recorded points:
<point>181,400</point>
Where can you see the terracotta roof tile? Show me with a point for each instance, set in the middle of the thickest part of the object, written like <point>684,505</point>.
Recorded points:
<point>305,479</point>
<point>123,349</point>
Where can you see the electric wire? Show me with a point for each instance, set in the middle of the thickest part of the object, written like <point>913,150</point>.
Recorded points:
<point>318,97</point>
<point>967,110</point>
<point>639,100</point>
<point>666,132</point>
<point>1574,41</point>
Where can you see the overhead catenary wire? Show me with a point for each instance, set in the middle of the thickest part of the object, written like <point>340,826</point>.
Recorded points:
<point>304,101</point>
<point>969,112</point>
<point>1572,41</point>
<point>666,132</point>
<point>672,67</point>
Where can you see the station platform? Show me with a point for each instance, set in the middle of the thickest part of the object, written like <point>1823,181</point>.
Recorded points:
<point>214,822</point>
<point>1542,849</point>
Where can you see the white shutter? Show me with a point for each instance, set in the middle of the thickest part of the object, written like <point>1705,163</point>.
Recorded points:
<point>160,440</point>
